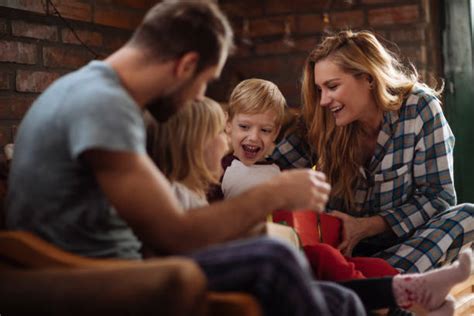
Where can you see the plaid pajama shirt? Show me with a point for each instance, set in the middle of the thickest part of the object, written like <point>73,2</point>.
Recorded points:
<point>409,182</point>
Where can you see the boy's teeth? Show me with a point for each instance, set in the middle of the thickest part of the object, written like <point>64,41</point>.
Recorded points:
<point>250,148</point>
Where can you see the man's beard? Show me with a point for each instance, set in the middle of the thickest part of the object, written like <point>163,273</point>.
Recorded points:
<point>164,107</point>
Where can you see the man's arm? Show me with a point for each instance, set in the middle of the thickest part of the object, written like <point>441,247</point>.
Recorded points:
<point>143,198</point>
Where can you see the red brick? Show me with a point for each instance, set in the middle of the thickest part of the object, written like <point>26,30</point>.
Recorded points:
<point>136,4</point>
<point>347,19</point>
<point>394,15</point>
<point>3,26</point>
<point>378,1</point>
<point>33,30</point>
<point>272,65</point>
<point>243,50</point>
<point>119,18</point>
<point>5,80</point>
<point>26,5</point>
<point>273,48</point>
<point>66,57</point>
<point>5,136</point>
<point>279,6</point>
<point>34,81</point>
<point>270,26</point>
<point>279,47</point>
<point>18,52</point>
<point>89,37</point>
<point>14,129</point>
<point>408,34</point>
<point>14,107</point>
<point>114,41</point>
<point>246,8</point>
<point>416,54</point>
<point>72,9</point>
<point>310,23</point>
<point>290,90</point>
<point>307,44</point>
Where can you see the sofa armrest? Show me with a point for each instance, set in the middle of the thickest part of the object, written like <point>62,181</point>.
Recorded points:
<point>37,276</point>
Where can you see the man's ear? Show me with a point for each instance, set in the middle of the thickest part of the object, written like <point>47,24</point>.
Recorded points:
<point>186,65</point>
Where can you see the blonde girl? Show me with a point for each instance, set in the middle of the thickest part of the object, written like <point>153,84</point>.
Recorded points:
<point>188,149</point>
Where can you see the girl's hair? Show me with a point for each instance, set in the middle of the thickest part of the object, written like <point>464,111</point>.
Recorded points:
<point>338,148</point>
<point>253,96</point>
<point>180,144</point>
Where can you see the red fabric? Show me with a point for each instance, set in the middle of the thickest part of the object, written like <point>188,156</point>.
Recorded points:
<point>320,241</point>
<point>306,226</point>
<point>329,264</point>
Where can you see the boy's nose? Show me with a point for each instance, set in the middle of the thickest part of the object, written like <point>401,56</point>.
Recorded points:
<point>253,133</point>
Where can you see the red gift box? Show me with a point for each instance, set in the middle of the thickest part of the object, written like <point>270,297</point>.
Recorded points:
<point>312,227</point>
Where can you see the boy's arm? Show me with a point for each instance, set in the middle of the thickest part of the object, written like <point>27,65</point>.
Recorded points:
<point>143,198</point>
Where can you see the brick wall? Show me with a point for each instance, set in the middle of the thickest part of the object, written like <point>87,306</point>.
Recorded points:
<point>263,52</point>
<point>36,46</point>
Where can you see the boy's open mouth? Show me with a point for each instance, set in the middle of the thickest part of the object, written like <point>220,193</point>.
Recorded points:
<point>250,152</point>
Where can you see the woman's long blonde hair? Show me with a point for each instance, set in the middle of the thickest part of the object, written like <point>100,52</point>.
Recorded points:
<point>338,148</point>
<point>179,144</point>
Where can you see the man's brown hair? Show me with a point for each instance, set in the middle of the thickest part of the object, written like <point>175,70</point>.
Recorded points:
<point>173,28</point>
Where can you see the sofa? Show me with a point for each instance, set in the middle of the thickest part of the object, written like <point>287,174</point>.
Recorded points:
<point>37,278</point>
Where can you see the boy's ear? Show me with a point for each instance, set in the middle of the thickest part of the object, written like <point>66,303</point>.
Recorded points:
<point>186,65</point>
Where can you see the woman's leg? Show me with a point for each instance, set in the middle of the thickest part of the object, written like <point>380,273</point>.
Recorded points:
<point>440,239</point>
<point>277,275</point>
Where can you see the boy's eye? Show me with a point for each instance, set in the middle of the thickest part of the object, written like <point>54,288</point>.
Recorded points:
<point>243,126</point>
<point>266,130</point>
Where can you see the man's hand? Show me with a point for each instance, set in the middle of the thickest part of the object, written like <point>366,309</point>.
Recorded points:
<point>355,229</point>
<point>302,189</point>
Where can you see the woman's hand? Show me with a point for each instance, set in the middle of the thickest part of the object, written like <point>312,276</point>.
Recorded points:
<point>355,229</point>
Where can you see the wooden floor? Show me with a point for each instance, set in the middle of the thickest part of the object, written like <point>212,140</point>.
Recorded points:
<point>464,294</point>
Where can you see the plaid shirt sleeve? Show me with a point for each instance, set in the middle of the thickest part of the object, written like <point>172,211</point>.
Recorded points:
<point>433,183</point>
<point>292,152</point>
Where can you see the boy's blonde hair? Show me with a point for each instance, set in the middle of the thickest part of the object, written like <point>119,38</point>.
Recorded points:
<point>254,96</point>
<point>180,144</point>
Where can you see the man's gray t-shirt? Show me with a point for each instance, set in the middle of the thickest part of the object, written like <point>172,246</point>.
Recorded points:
<point>52,192</point>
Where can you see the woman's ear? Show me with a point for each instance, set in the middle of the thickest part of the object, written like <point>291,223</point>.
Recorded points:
<point>370,80</point>
<point>186,65</point>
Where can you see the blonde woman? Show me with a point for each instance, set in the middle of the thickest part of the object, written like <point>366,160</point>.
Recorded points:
<point>383,141</point>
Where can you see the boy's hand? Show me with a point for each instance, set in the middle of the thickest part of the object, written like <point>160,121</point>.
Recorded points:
<point>302,189</point>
